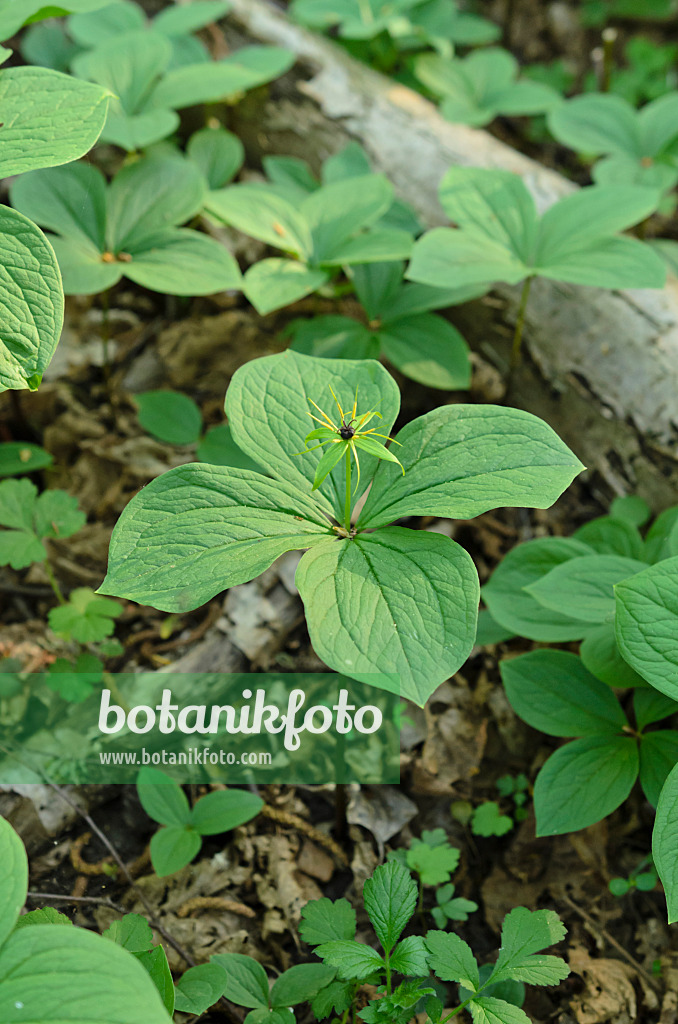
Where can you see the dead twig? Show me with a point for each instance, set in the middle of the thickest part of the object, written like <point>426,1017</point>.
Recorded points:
<point>214,903</point>
<point>294,821</point>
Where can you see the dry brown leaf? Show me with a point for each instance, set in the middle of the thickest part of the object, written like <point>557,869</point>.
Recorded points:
<point>609,996</point>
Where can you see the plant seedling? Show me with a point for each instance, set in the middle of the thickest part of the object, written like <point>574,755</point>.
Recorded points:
<point>517,787</point>
<point>133,933</point>
<point>128,228</point>
<point>432,861</point>
<point>456,463</point>
<point>640,147</point>
<point>649,74</point>
<point>399,326</point>
<point>332,227</point>
<point>179,841</point>
<point>476,89</point>
<point>500,237</point>
<point>587,779</point>
<point>29,520</point>
<point>487,820</point>
<point>135,67</point>
<point>247,985</point>
<point>643,878</point>
<point>85,617</point>
<point>98,979</point>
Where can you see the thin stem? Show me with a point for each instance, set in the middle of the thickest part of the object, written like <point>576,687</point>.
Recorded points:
<point>347,503</point>
<point>520,323</point>
<point>100,901</point>
<point>609,40</point>
<point>53,583</point>
<point>387,958</point>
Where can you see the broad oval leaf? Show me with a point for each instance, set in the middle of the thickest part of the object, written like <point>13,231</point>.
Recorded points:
<point>658,755</point>
<point>200,529</point>
<point>70,200</point>
<point>584,588</point>
<point>180,261</point>
<point>224,810</point>
<point>552,691</point>
<point>665,842</point>
<point>417,591</point>
<point>200,987</point>
<point>427,349</point>
<point>49,118</point>
<point>462,460</point>
<point>172,848</point>
<point>646,623</point>
<point>162,798</point>
<point>583,782</point>
<point>246,981</point>
<point>268,403</point>
<point>299,984</point>
<point>87,977</point>
<point>31,302</point>
<point>14,879</point>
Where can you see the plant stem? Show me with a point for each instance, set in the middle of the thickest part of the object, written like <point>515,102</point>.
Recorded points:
<point>609,39</point>
<point>520,323</point>
<point>347,503</point>
<point>53,583</point>
<point>387,958</point>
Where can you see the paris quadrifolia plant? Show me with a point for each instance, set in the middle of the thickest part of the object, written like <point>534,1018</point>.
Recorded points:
<point>199,529</point>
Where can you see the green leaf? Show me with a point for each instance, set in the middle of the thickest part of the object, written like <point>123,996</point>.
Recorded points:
<point>149,195</point>
<point>495,204</point>
<point>649,706</point>
<point>88,979</point>
<point>217,153</point>
<point>227,526</point>
<point>333,337</point>
<point>132,932</point>
<point>18,457</point>
<point>200,987</point>
<point>155,962</point>
<point>85,617</point>
<point>48,915</point>
<point>224,810</point>
<point>82,269</point>
<point>352,960</point>
<point>246,981</point>
<point>70,200</point>
<point>488,1010</point>
<point>462,460</point>
<point>664,841</point>
<point>646,624</point>
<point>488,821</point>
<point>433,864</point>
<point>49,118</point>
<point>219,80</point>
<point>325,920</point>
<point>466,257</point>
<point>299,984</point>
<point>596,124</point>
<point>281,1015</point>
<point>658,755</point>
<point>338,211</point>
<point>523,935</point>
<point>601,656</point>
<point>661,540</point>
<point>427,349</point>
<point>508,598</point>
<point>610,536</point>
<point>420,591</point>
<point>172,848</point>
<point>630,508</point>
<point>180,20</point>
<point>583,588</point>
<point>161,798</point>
<point>31,302</point>
<point>553,692</point>
<point>390,896</point>
<point>335,997</point>
<point>370,247</point>
<point>268,406</point>
<point>178,261</point>
<point>451,959</point>
<point>57,514</point>
<point>263,214</point>
<point>409,957</point>
<point>13,881</point>
<point>170,416</point>
<point>91,29</point>
<point>272,283</point>
<point>583,782</point>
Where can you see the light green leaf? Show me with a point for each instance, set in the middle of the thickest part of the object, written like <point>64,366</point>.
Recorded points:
<point>451,959</point>
<point>658,755</point>
<point>17,457</point>
<point>268,406</point>
<point>162,798</point>
<point>179,261</point>
<point>246,984</point>
<point>488,820</point>
<point>352,960</point>
<point>179,20</point>
<point>299,984</point>
<point>371,247</point>
<point>325,920</point>
<point>553,692</point>
<point>31,302</point>
<point>225,810</point>
<point>601,656</point>
<point>134,132</point>
<point>443,256</point>
<point>390,896</point>
<point>427,349</point>
<point>126,65</point>
<point>597,123</point>
<point>155,962</point>
<point>665,842</point>
<point>170,416</point>
<point>508,598</point>
<point>462,460</point>
<point>49,118</point>
<point>219,80</point>
<point>263,214</point>
<point>91,29</point>
<point>200,987</point>
<point>608,535</point>
<point>172,848</point>
<point>523,935</point>
<point>13,881</point>
<point>227,526</point>
<point>488,1010</point>
<point>132,932</point>
<point>646,623</point>
<point>48,915</point>
<point>609,263</point>
<point>409,957</point>
<point>419,592</point>
<point>333,337</point>
<point>70,200</point>
<point>272,283</point>
<point>88,979</point>
<point>337,211</point>
<point>149,195</point>
<point>85,617</point>
<point>495,204</point>
<point>217,153</point>
<point>583,782</point>
<point>583,588</point>
<point>83,271</point>
<point>219,449</point>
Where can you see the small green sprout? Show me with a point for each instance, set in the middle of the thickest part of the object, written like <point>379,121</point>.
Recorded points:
<point>344,439</point>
